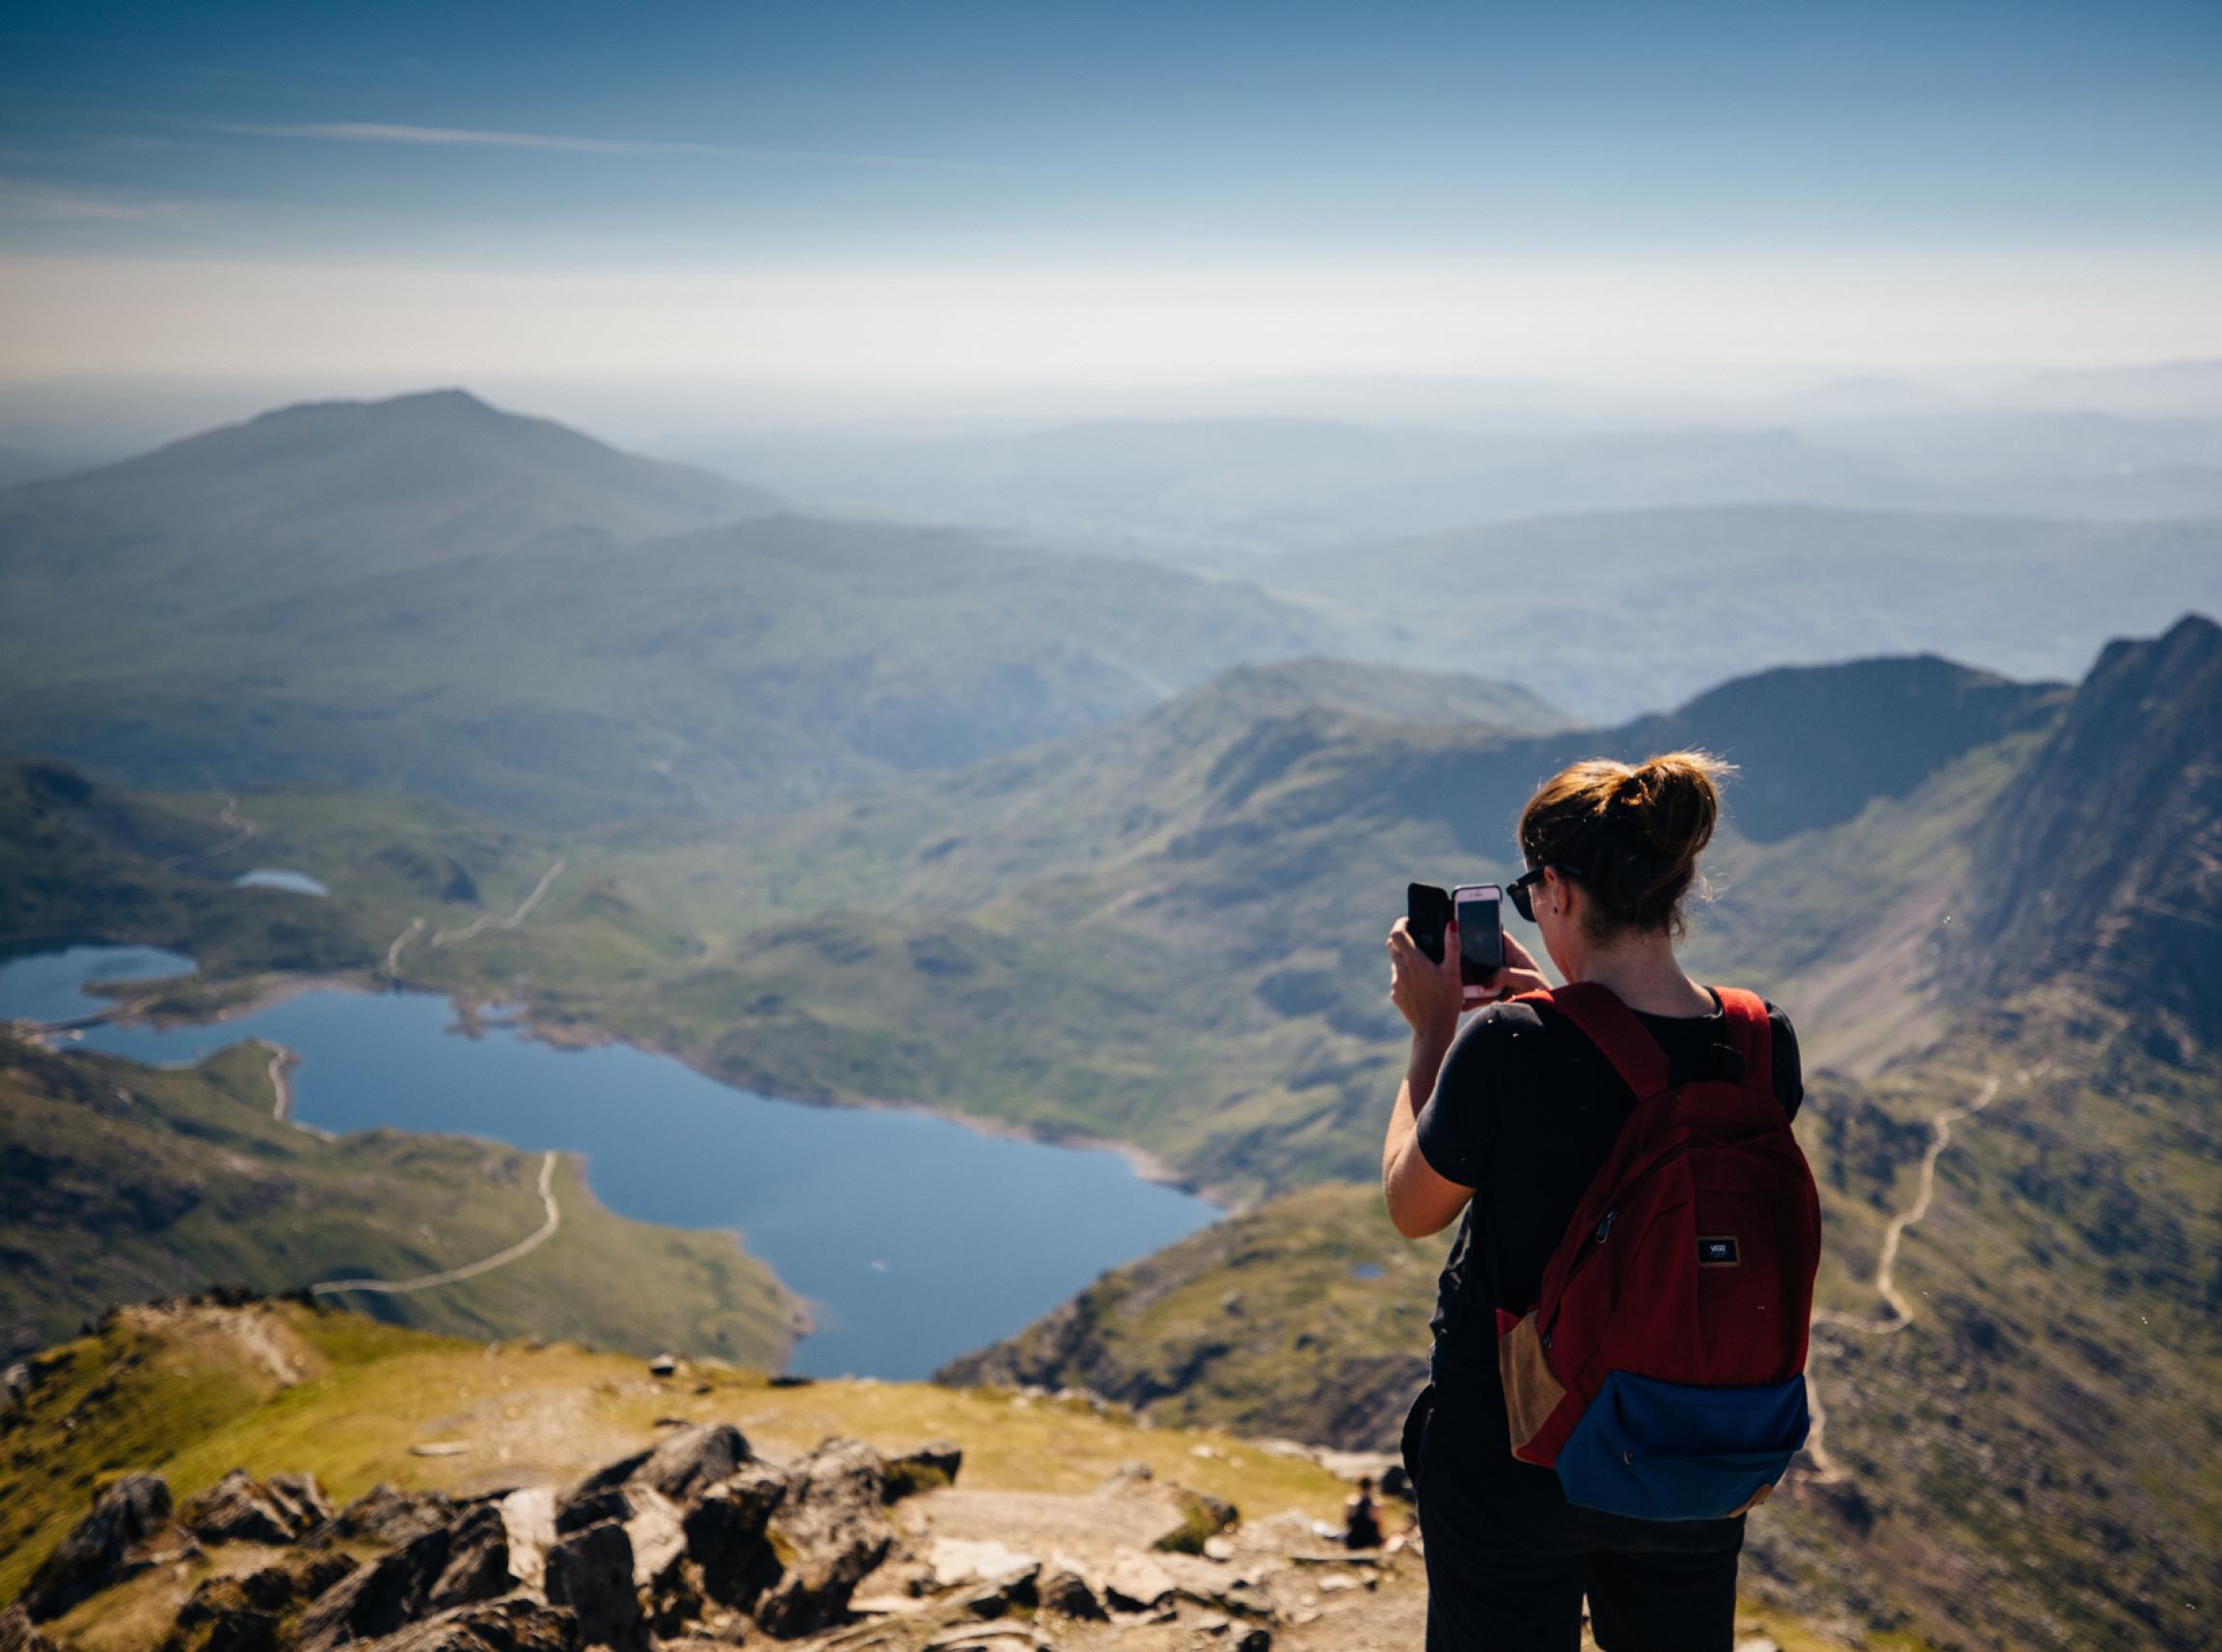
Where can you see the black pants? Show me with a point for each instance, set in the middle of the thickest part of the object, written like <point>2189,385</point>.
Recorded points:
<point>1509,1559</point>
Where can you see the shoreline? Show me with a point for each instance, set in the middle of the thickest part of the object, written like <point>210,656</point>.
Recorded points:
<point>271,988</point>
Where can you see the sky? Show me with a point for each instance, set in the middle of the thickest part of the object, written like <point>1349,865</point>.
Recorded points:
<point>974,190</point>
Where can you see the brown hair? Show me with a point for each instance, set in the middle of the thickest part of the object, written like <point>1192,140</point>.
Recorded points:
<point>1632,833</point>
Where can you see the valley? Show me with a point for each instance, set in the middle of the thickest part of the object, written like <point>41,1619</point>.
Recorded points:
<point>582,843</point>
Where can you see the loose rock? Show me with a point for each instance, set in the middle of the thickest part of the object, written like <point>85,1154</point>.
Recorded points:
<point>725,1536</point>
<point>477,1562</point>
<point>239,1508</point>
<point>1066,1593</point>
<point>385,1515</point>
<point>18,1633</point>
<point>124,1536</point>
<point>591,1572</point>
<point>1137,1584</point>
<point>923,1469</point>
<point>512,1625</point>
<point>826,1533</point>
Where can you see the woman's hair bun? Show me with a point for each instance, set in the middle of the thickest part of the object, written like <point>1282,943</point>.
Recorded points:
<point>1634,831</point>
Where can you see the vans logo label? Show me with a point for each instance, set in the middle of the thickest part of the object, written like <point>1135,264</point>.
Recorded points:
<point>1717,1251</point>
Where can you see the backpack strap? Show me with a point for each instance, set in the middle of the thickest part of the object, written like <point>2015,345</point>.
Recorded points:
<point>1635,1054</point>
<point>1600,1015</point>
<point>1751,1032</point>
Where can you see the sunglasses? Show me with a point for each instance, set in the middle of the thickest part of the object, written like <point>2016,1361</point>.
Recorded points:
<point>1521,891</point>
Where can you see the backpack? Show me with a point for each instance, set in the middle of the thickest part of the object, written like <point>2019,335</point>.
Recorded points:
<point>1662,1370</point>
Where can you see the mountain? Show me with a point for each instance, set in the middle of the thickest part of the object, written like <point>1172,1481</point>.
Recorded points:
<point>1209,882</point>
<point>430,596</point>
<point>2101,863</point>
<point>2148,387</point>
<point>1611,614</point>
<point>1167,932</point>
<point>307,498</point>
<point>1198,488</point>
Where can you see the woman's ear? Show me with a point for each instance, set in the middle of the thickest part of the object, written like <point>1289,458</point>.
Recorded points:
<point>1561,892</point>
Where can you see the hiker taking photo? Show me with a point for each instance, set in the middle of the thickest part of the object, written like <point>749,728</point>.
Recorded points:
<point>1620,1328</point>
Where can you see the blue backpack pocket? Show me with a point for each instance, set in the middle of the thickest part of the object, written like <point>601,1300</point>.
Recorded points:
<point>1665,1450</point>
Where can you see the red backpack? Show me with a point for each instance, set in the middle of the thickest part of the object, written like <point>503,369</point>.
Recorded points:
<point>1662,1370</point>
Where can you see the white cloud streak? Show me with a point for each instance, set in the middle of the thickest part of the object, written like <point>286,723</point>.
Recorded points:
<point>462,137</point>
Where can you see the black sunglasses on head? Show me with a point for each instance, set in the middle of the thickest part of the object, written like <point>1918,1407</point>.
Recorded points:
<point>1521,891</point>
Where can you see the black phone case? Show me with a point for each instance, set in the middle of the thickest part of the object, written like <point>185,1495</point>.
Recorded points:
<point>1427,915</point>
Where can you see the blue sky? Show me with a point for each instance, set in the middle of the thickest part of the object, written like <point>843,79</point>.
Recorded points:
<point>856,145</point>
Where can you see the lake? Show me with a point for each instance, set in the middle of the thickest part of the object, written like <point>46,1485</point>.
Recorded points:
<point>915,1238</point>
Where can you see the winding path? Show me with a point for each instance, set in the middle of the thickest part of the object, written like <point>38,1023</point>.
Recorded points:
<point>394,952</point>
<point>229,816</point>
<point>479,925</point>
<point>281,1089</point>
<point>470,1270</point>
<point>1824,1469</point>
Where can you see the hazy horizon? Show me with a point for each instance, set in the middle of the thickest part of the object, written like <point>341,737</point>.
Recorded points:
<point>991,196</point>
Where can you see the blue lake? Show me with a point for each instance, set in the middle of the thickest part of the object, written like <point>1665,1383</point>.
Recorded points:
<point>915,1238</point>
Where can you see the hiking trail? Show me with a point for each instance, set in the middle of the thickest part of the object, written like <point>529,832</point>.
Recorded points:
<point>470,1270</point>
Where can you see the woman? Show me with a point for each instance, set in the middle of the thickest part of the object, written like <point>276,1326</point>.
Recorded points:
<point>1508,1121</point>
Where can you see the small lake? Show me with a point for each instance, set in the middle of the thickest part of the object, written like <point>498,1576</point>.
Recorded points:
<point>915,1238</point>
<point>278,878</point>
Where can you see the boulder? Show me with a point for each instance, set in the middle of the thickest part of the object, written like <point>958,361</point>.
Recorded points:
<point>1203,1517</point>
<point>591,1572</point>
<point>929,1466</point>
<point>234,1613</point>
<point>827,1532</point>
<point>383,1515</point>
<point>956,1560</point>
<point>1066,1593</point>
<point>725,1536</point>
<point>18,1633</point>
<point>387,1594</point>
<point>581,1508</point>
<point>124,1536</point>
<point>1136,1583</point>
<point>690,1462</point>
<point>239,1508</point>
<point>515,1624</point>
<point>528,1515</point>
<point>675,1599</point>
<point>477,1562</point>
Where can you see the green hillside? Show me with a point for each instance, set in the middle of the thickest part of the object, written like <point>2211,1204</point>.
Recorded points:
<point>120,1182</point>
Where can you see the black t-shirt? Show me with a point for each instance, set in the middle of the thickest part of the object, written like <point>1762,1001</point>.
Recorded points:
<point>1525,1112</point>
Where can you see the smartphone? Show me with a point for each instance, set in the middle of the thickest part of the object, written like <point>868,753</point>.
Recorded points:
<point>1479,907</point>
<point>1427,915</point>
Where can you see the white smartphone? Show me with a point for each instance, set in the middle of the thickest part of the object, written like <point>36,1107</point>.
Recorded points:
<point>1480,913</point>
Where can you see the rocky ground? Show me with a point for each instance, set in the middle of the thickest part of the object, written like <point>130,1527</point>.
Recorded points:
<point>702,1542</point>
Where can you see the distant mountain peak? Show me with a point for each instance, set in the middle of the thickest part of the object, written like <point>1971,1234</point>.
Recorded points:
<point>2099,862</point>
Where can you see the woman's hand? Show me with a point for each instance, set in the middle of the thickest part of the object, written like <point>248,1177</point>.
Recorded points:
<point>1521,974</point>
<point>1429,995</point>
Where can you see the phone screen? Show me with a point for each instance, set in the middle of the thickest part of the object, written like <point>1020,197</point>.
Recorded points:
<point>1480,931</point>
